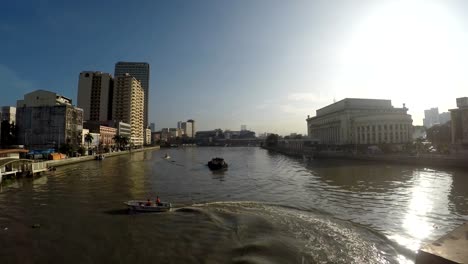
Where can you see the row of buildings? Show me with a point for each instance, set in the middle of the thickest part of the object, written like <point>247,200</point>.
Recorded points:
<point>354,121</point>
<point>106,106</point>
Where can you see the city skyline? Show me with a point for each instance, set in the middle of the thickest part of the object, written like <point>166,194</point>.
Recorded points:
<point>223,65</point>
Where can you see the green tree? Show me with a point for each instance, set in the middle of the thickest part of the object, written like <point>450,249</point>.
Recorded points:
<point>66,148</point>
<point>271,140</point>
<point>88,139</point>
<point>124,141</point>
<point>8,133</point>
<point>118,140</point>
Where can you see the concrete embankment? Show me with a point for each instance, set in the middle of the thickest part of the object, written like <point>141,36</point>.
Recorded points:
<point>450,248</point>
<point>430,160</point>
<point>57,163</point>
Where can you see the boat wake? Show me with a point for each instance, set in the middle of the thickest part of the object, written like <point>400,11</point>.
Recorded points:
<point>249,232</point>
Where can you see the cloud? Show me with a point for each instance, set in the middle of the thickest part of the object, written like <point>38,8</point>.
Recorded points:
<point>307,97</point>
<point>296,110</point>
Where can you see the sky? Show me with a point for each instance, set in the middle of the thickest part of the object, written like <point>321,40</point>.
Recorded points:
<point>266,64</point>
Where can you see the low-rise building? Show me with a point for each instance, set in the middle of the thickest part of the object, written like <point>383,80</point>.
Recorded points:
<point>360,121</point>
<point>459,118</point>
<point>47,120</point>
<point>106,133</point>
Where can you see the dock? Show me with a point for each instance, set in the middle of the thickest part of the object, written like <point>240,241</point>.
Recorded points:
<point>450,248</point>
<point>13,167</point>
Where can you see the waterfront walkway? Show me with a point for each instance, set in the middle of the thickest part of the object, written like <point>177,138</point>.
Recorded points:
<point>67,161</point>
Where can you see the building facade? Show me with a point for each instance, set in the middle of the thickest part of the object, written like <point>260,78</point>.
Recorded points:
<point>141,71</point>
<point>47,120</point>
<point>431,117</point>
<point>106,133</point>
<point>147,136</point>
<point>459,118</point>
<point>128,106</point>
<point>7,119</point>
<point>190,130</point>
<point>360,121</point>
<point>95,95</point>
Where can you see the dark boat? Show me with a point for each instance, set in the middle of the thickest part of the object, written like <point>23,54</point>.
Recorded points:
<point>217,164</point>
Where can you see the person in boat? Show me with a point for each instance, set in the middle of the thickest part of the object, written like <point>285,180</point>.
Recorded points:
<point>148,203</point>
<point>158,201</point>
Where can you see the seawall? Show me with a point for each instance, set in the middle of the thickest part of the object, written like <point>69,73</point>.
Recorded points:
<point>63,162</point>
<point>430,160</point>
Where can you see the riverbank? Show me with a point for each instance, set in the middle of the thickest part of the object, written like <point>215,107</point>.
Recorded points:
<point>430,160</point>
<point>63,162</point>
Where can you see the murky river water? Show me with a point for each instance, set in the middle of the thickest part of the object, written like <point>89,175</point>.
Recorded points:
<point>267,208</point>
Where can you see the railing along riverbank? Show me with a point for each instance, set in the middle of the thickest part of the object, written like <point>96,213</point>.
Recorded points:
<point>67,161</point>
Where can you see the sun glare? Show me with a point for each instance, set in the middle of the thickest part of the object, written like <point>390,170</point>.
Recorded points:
<point>406,50</point>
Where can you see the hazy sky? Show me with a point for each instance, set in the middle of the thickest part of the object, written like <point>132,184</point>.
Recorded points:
<point>266,64</point>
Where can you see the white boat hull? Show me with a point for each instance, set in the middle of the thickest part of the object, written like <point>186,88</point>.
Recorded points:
<point>140,206</point>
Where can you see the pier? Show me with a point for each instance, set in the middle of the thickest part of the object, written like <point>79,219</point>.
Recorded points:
<point>450,248</point>
<point>12,167</point>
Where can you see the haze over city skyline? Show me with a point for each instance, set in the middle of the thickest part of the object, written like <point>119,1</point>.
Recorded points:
<point>266,64</point>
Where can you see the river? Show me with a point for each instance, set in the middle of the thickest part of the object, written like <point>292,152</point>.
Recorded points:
<point>266,208</point>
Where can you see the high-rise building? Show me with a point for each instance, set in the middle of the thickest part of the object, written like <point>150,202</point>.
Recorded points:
<point>128,105</point>
<point>444,117</point>
<point>191,127</point>
<point>152,127</point>
<point>95,95</point>
<point>47,120</point>
<point>141,71</point>
<point>8,114</point>
<point>431,117</point>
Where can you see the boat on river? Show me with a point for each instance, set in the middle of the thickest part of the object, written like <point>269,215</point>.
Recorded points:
<point>99,157</point>
<point>143,206</point>
<point>217,164</point>
<point>166,156</point>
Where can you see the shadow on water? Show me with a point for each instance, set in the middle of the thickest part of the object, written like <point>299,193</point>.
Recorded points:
<point>118,212</point>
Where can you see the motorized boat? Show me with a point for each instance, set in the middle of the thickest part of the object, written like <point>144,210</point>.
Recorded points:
<point>143,206</point>
<point>99,157</point>
<point>217,164</point>
<point>166,156</point>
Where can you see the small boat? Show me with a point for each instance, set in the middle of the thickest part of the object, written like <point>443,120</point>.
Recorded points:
<point>99,157</point>
<point>141,206</point>
<point>217,164</point>
<point>166,156</point>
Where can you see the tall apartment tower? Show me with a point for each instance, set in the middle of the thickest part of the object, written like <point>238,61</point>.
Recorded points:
<point>139,70</point>
<point>431,117</point>
<point>95,95</point>
<point>192,128</point>
<point>128,106</point>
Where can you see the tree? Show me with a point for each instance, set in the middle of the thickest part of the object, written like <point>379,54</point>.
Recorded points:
<point>66,148</point>
<point>88,139</point>
<point>8,133</point>
<point>117,139</point>
<point>272,140</point>
<point>124,140</point>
